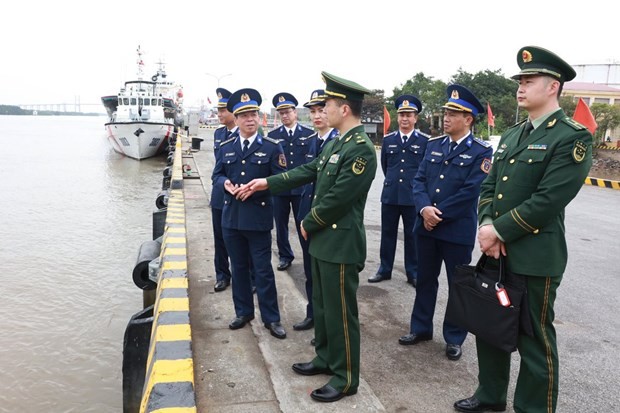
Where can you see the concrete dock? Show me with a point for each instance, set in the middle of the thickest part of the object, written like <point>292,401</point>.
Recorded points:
<point>248,370</point>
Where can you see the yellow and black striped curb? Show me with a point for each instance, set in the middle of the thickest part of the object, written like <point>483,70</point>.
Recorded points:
<point>169,382</point>
<point>603,183</point>
<point>609,148</point>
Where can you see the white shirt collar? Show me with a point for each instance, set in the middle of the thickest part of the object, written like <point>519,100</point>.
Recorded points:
<point>251,139</point>
<point>293,129</point>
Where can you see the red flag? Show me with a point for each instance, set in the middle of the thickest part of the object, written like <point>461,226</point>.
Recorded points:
<point>209,100</point>
<point>490,117</point>
<point>584,116</point>
<point>386,121</point>
<point>265,119</point>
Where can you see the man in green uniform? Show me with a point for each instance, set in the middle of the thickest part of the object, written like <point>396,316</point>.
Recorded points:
<point>343,172</point>
<point>538,168</point>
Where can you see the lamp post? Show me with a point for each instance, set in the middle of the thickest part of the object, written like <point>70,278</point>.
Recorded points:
<point>218,78</point>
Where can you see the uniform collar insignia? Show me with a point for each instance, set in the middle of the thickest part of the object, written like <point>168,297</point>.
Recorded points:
<point>551,123</point>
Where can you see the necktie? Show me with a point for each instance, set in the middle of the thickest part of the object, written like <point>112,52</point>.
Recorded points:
<point>245,145</point>
<point>290,133</point>
<point>404,138</point>
<point>453,145</point>
<point>321,141</point>
<point>526,131</point>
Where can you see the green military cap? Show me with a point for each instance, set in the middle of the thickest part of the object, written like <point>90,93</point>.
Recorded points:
<point>534,60</point>
<point>337,87</point>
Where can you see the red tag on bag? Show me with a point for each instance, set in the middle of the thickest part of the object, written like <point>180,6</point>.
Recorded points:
<point>502,296</point>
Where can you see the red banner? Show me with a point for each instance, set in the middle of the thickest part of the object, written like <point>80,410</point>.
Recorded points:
<point>584,116</point>
<point>386,121</point>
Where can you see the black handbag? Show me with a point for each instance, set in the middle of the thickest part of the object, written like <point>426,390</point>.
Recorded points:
<point>475,305</point>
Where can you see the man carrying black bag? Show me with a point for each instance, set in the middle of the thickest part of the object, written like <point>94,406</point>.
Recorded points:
<point>538,168</point>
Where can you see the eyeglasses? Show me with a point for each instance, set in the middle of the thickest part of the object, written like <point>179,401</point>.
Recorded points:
<point>285,112</point>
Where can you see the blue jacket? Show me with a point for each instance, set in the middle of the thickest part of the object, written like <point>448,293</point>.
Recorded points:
<point>217,192</point>
<point>263,158</point>
<point>400,164</point>
<point>451,183</point>
<point>295,149</point>
<point>308,189</point>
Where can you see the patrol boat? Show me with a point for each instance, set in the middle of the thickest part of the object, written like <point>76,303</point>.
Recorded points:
<point>143,116</point>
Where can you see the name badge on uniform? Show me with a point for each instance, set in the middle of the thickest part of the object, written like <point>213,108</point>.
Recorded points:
<point>261,154</point>
<point>537,147</point>
<point>436,153</point>
<point>334,158</point>
<point>499,151</point>
<point>229,154</point>
<point>392,146</point>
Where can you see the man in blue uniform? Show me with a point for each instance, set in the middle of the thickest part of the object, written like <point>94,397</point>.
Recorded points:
<point>446,191</point>
<point>294,140</point>
<point>247,225</point>
<point>226,131</point>
<point>401,154</point>
<point>318,141</point>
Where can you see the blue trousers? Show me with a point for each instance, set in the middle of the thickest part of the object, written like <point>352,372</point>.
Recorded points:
<point>281,213</point>
<point>390,215</point>
<point>431,253</point>
<point>222,268</point>
<point>255,245</point>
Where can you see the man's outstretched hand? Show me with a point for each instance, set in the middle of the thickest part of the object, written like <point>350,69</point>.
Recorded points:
<point>245,191</point>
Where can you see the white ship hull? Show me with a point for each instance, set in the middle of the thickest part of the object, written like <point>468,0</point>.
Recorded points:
<point>139,140</point>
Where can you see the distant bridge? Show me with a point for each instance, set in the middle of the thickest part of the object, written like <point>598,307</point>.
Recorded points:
<point>64,107</point>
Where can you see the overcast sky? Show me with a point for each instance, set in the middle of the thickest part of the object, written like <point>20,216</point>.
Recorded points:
<point>53,51</point>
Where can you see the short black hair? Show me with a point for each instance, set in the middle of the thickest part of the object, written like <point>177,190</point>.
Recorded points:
<point>354,105</point>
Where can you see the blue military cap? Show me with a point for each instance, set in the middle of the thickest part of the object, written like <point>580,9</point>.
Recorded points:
<point>284,100</point>
<point>244,100</point>
<point>222,97</point>
<point>316,98</point>
<point>408,103</point>
<point>462,99</point>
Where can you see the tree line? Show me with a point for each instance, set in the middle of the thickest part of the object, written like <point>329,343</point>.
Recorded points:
<point>490,87</point>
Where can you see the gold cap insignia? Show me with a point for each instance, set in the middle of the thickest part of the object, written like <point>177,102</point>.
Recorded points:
<point>245,97</point>
<point>405,103</point>
<point>281,99</point>
<point>526,56</point>
<point>219,95</point>
<point>315,95</point>
<point>455,94</point>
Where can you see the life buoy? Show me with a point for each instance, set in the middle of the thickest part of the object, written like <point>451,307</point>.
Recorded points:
<point>154,78</point>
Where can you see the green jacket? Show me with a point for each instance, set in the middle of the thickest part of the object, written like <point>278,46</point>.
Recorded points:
<point>528,188</point>
<point>343,174</point>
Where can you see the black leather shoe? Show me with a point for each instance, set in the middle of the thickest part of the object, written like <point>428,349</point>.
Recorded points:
<point>453,351</point>
<point>377,278</point>
<point>276,329</point>
<point>284,264</point>
<point>308,369</point>
<point>473,405</point>
<point>239,322</point>
<point>413,282</point>
<point>313,342</point>
<point>411,339</point>
<point>307,324</point>
<point>328,394</point>
<point>221,286</point>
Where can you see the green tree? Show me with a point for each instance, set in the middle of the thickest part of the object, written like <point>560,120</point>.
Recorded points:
<point>607,117</point>
<point>373,105</point>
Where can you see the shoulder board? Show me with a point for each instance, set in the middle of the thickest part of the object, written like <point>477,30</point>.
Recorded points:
<point>313,135</point>
<point>481,142</point>
<point>518,124</point>
<point>437,137</point>
<point>419,132</point>
<point>268,139</point>
<point>304,126</point>
<point>573,123</point>
<point>389,134</point>
<point>227,141</point>
<point>360,139</point>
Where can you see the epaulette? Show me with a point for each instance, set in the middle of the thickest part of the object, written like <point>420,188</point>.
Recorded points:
<point>268,139</point>
<point>573,123</point>
<point>419,132</point>
<point>312,136</point>
<point>518,124</point>
<point>227,141</point>
<point>389,134</point>
<point>359,139</point>
<point>304,126</point>
<point>437,137</point>
<point>481,142</point>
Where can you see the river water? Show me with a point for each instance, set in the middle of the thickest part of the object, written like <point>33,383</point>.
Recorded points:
<point>73,214</point>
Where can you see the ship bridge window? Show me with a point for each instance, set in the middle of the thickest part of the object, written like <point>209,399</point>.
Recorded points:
<point>147,102</point>
<point>140,101</point>
<point>154,102</point>
<point>125,101</point>
<point>120,101</point>
<point>133,101</point>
